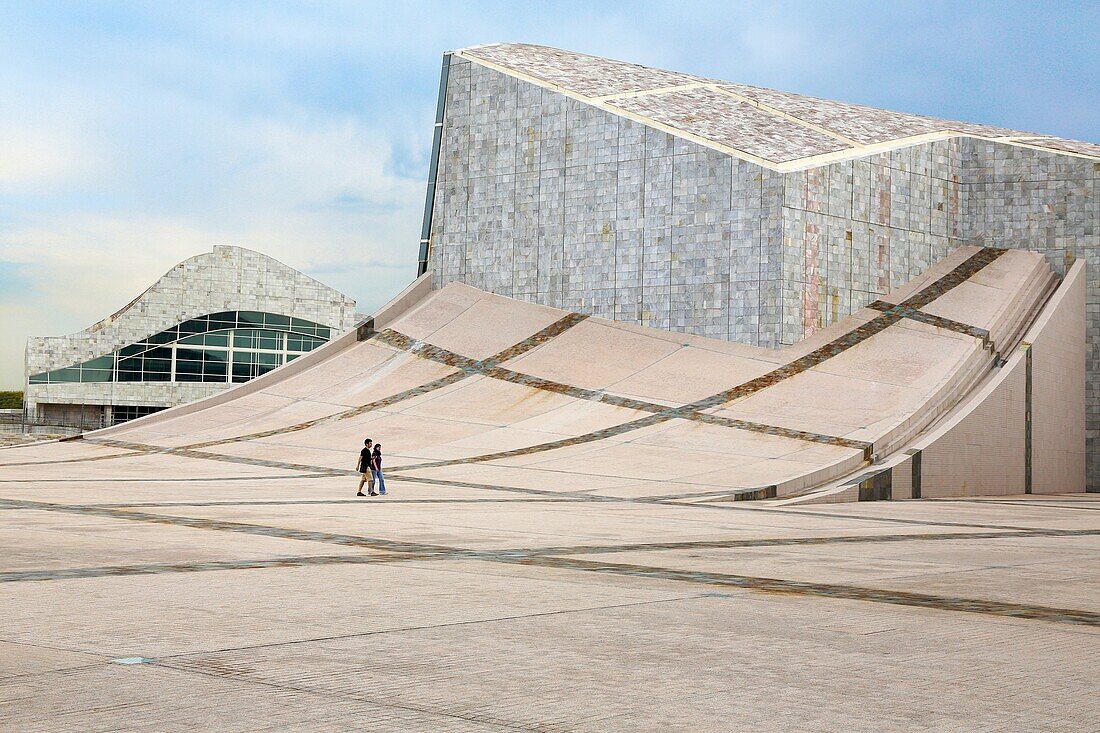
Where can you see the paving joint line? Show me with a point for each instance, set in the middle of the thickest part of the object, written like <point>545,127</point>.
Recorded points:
<point>952,279</point>
<point>848,340</point>
<point>418,551</point>
<point>593,498</point>
<point>471,366</point>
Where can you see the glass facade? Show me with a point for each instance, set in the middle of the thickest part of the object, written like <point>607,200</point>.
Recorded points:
<point>232,346</point>
<point>125,413</point>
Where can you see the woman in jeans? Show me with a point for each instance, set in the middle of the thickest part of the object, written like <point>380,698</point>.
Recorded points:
<point>376,469</point>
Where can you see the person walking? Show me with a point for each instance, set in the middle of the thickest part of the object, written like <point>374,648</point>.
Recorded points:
<point>376,468</point>
<point>365,466</point>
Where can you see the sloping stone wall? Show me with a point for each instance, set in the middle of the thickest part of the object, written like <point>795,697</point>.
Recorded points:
<point>545,198</point>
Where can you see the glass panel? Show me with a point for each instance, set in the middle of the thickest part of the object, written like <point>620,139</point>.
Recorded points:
<point>274,320</point>
<point>97,375</point>
<point>211,355</point>
<point>215,371</point>
<point>68,374</point>
<point>195,325</point>
<point>196,340</point>
<point>270,340</point>
<point>160,353</point>
<point>244,339</point>
<point>323,332</point>
<point>158,366</point>
<point>42,378</point>
<point>102,362</point>
<point>180,377</point>
<point>164,337</point>
<point>253,317</point>
<point>131,350</point>
<point>129,369</point>
<point>156,377</point>
<point>291,357</point>
<point>294,342</point>
<point>217,339</point>
<point>188,367</point>
<point>269,359</point>
<point>189,354</point>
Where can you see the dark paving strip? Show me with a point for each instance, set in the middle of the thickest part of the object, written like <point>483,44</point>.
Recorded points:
<point>823,590</point>
<point>837,515</point>
<point>800,541</point>
<point>112,456</point>
<point>1041,504</point>
<point>197,479</point>
<point>22,576</point>
<point>434,353</point>
<point>819,355</point>
<point>323,502</point>
<point>417,551</point>
<point>966,270</point>
<point>915,315</point>
<point>670,500</point>
<point>591,437</point>
<point>467,366</point>
<point>241,527</point>
<point>852,338</point>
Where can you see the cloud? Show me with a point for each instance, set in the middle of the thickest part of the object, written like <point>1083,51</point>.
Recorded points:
<point>135,135</point>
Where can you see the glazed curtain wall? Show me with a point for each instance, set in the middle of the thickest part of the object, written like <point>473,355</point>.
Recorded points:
<point>230,346</point>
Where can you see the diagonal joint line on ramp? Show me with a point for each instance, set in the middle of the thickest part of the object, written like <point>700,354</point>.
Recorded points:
<point>856,336</point>
<point>392,338</point>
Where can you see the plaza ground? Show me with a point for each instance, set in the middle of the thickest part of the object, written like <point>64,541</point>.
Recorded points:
<point>592,526</point>
<point>276,601</point>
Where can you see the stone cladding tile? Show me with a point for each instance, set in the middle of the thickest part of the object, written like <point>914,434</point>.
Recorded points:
<point>718,117</point>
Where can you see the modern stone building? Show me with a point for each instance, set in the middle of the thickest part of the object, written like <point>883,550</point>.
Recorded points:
<point>213,320</point>
<point>726,210</point>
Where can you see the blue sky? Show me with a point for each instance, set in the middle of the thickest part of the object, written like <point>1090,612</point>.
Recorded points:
<point>133,135</point>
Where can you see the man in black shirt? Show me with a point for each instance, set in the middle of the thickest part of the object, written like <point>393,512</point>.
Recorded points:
<point>366,459</point>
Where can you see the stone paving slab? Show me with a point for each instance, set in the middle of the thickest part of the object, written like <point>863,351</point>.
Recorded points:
<point>37,540</point>
<point>478,608</point>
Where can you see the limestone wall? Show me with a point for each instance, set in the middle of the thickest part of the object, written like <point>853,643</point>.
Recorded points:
<point>229,278</point>
<point>855,229</point>
<point>547,199</point>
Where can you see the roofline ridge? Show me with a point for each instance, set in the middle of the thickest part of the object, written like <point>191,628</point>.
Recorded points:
<point>947,131</point>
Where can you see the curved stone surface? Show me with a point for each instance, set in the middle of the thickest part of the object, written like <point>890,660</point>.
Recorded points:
<point>468,388</point>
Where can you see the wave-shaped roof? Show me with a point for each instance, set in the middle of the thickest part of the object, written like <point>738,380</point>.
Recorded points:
<point>776,129</point>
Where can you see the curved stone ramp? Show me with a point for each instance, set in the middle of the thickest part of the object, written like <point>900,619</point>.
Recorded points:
<point>469,388</point>
<point>1021,431</point>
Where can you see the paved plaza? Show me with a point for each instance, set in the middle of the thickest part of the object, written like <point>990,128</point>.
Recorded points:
<point>574,538</point>
<point>276,601</point>
<point>711,408</point>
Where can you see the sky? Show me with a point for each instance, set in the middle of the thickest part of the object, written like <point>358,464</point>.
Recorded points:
<point>136,134</point>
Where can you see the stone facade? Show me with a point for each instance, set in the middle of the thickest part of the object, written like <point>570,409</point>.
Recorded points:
<point>229,278</point>
<point>544,198</point>
<point>561,180</point>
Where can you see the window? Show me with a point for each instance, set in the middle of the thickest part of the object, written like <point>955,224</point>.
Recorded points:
<point>124,413</point>
<point>226,346</point>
